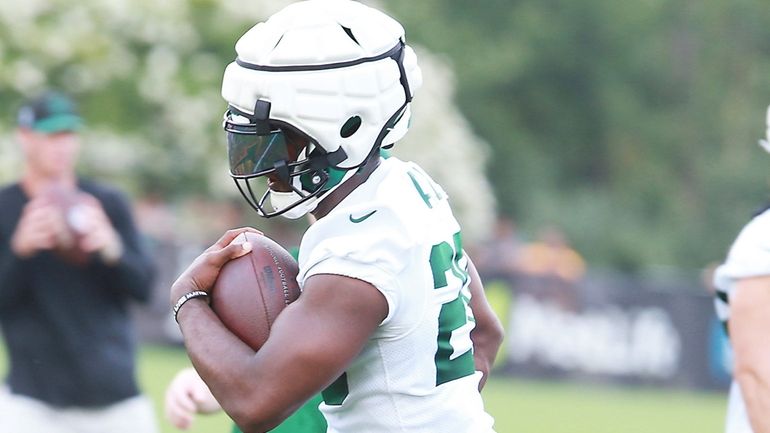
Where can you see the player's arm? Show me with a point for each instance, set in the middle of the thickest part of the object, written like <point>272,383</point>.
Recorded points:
<point>310,345</point>
<point>750,336</point>
<point>488,333</point>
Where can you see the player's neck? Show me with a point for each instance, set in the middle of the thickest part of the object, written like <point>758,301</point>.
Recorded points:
<point>339,194</point>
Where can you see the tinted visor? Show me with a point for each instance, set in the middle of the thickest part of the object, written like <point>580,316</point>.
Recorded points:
<point>253,149</point>
<point>254,154</point>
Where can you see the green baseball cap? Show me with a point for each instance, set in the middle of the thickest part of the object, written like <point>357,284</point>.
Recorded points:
<point>50,113</point>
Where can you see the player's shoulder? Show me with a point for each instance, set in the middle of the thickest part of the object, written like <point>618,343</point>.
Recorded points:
<point>382,202</point>
<point>410,174</point>
<point>749,254</point>
<point>366,220</point>
<point>755,234</point>
<point>355,240</point>
<point>752,246</point>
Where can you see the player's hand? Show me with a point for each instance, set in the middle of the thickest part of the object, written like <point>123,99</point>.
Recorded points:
<point>203,271</point>
<point>95,230</point>
<point>186,396</point>
<point>41,227</point>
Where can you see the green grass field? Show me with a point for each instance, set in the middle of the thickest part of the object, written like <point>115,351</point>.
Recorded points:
<point>517,405</point>
<point>522,406</point>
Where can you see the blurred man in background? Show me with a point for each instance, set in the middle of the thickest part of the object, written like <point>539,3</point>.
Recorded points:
<point>743,303</point>
<point>70,263</point>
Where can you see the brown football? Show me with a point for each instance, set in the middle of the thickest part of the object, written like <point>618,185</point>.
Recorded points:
<point>253,289</point>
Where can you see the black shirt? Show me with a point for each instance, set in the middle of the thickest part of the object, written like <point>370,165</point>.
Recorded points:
<point>67,328</point>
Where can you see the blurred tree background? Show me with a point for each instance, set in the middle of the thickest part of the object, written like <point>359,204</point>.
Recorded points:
<point>631,125</point>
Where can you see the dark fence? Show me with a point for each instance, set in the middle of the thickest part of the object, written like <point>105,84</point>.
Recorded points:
<point>645,331</point>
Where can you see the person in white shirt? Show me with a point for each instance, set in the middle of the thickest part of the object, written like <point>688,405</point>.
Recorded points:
<point>743,304</point>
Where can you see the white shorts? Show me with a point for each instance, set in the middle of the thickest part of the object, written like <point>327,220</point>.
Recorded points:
<point>737,420</point>
<point>20,414</point>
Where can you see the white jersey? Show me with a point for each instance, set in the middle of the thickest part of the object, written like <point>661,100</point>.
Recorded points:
<point>416,373</point>
<point>749,256</point>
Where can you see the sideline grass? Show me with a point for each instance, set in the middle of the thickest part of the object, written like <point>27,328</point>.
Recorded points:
<point>542,407</point>
<point>523,406</point>
<point>517,405</point>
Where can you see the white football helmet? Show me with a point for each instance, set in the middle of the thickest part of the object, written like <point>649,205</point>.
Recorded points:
<point>336,72</point>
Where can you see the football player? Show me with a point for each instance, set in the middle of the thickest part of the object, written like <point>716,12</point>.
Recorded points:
<point>392,325</point>
<point>743,304</point>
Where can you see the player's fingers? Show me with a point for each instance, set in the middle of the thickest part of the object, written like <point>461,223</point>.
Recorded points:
<point>218,258</point>
<point>203,271</point>
<point>229,235</point>
<point>180,420</point>
<point>179,406</point>
<point>186,404</point>
<point>184,423</point>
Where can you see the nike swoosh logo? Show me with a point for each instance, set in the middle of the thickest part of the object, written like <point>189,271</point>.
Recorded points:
<point>358,220</point>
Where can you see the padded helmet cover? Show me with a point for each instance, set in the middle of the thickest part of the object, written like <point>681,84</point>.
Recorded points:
<point>322,62</point>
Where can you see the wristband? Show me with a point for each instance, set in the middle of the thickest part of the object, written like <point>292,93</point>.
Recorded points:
<point>186,297</point>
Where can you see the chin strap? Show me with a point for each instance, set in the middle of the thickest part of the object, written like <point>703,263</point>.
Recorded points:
<point>346,187</point>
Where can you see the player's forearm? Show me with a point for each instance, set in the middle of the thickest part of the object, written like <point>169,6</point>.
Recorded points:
<point>748,324</point>
<point>229,368</point>
<point>488,334</point>
<point>755,387</point>
<point>485,347</point>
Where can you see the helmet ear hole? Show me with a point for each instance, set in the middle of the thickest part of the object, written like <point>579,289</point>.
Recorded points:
<point>350,127</point>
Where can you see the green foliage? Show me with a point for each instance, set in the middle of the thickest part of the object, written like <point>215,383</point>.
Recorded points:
<point>631,124</point>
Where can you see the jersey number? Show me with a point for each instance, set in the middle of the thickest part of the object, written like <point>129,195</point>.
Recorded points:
<point>454,354</point>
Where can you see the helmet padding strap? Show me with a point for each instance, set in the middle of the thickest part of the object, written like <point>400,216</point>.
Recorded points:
<point>404,80</point>
<point>262,116</point>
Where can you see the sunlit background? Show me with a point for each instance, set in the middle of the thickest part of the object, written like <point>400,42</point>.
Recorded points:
<point>601,156</point>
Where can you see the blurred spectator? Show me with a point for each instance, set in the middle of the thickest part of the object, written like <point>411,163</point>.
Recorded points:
<point>501,255</point>
<point>552,256</point>
<point>550,268</point>
<point>743,304</point>
<point>70,263</point>
<point>158,224</point>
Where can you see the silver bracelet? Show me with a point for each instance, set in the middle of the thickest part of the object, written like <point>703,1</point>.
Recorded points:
<point>186,297</point>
